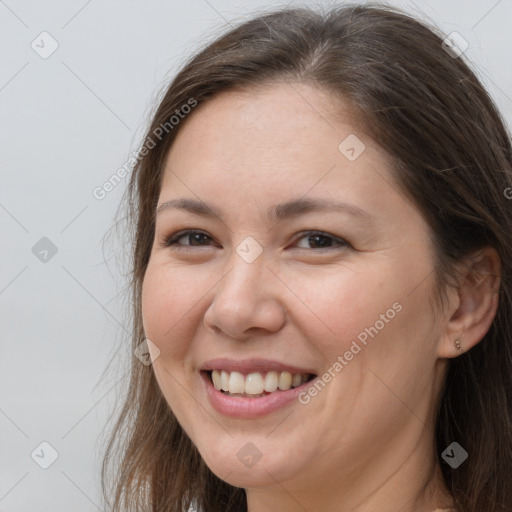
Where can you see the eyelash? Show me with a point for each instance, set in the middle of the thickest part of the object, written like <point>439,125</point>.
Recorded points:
<point>172,240</point>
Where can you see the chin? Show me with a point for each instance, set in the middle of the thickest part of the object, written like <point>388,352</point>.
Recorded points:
<point>240,463</point>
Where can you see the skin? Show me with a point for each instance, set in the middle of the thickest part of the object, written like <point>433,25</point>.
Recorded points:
<point>365,442</point>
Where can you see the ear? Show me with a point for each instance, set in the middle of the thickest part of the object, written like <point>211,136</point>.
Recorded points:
<point>473,304</point>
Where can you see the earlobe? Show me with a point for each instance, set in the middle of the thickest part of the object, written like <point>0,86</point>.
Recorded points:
<point>476,306</point>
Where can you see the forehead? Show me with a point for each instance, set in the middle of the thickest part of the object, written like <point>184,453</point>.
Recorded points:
<point>296,112</point>
<point>275,142</point>
<point>276,123</point>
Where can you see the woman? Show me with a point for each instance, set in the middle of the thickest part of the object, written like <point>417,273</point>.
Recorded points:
<point>321,276</point>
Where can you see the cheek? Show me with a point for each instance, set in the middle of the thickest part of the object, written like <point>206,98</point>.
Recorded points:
<point>336,307</point>
<point>170,306</point>
<point>170,299</point>
<point>368,316</point>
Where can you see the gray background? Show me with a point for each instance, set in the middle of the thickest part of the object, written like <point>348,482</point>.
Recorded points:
<point>68,122</point>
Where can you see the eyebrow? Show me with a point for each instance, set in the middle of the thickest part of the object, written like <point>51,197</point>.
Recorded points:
<point>280,211</point>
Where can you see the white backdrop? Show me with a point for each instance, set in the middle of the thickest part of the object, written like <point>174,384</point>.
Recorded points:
<point>77,82</point>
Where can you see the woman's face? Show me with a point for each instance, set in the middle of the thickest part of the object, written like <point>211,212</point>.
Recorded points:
<point>253,294</point>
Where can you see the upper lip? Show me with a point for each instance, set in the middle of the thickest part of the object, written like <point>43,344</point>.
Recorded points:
<point>252,365</point>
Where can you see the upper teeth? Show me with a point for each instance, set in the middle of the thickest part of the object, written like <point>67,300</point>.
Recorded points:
<point>256,383</point>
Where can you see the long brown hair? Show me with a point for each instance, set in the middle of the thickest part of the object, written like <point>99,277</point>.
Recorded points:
<point>452,155</point>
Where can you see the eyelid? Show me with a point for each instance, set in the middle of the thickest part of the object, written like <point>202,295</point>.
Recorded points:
<point>341,242</point>
<point>171,240</point>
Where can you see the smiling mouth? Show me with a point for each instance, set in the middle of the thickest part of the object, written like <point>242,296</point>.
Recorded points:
<point>256,384</point>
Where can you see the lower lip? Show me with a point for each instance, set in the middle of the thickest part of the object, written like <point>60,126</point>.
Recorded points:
<point>248,408</point>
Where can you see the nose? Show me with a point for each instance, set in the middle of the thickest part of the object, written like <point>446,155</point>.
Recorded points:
<point>246,301</point>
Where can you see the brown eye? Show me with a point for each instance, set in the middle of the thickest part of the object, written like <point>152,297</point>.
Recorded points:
<point>321,240</point>
<point>194,238</point>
